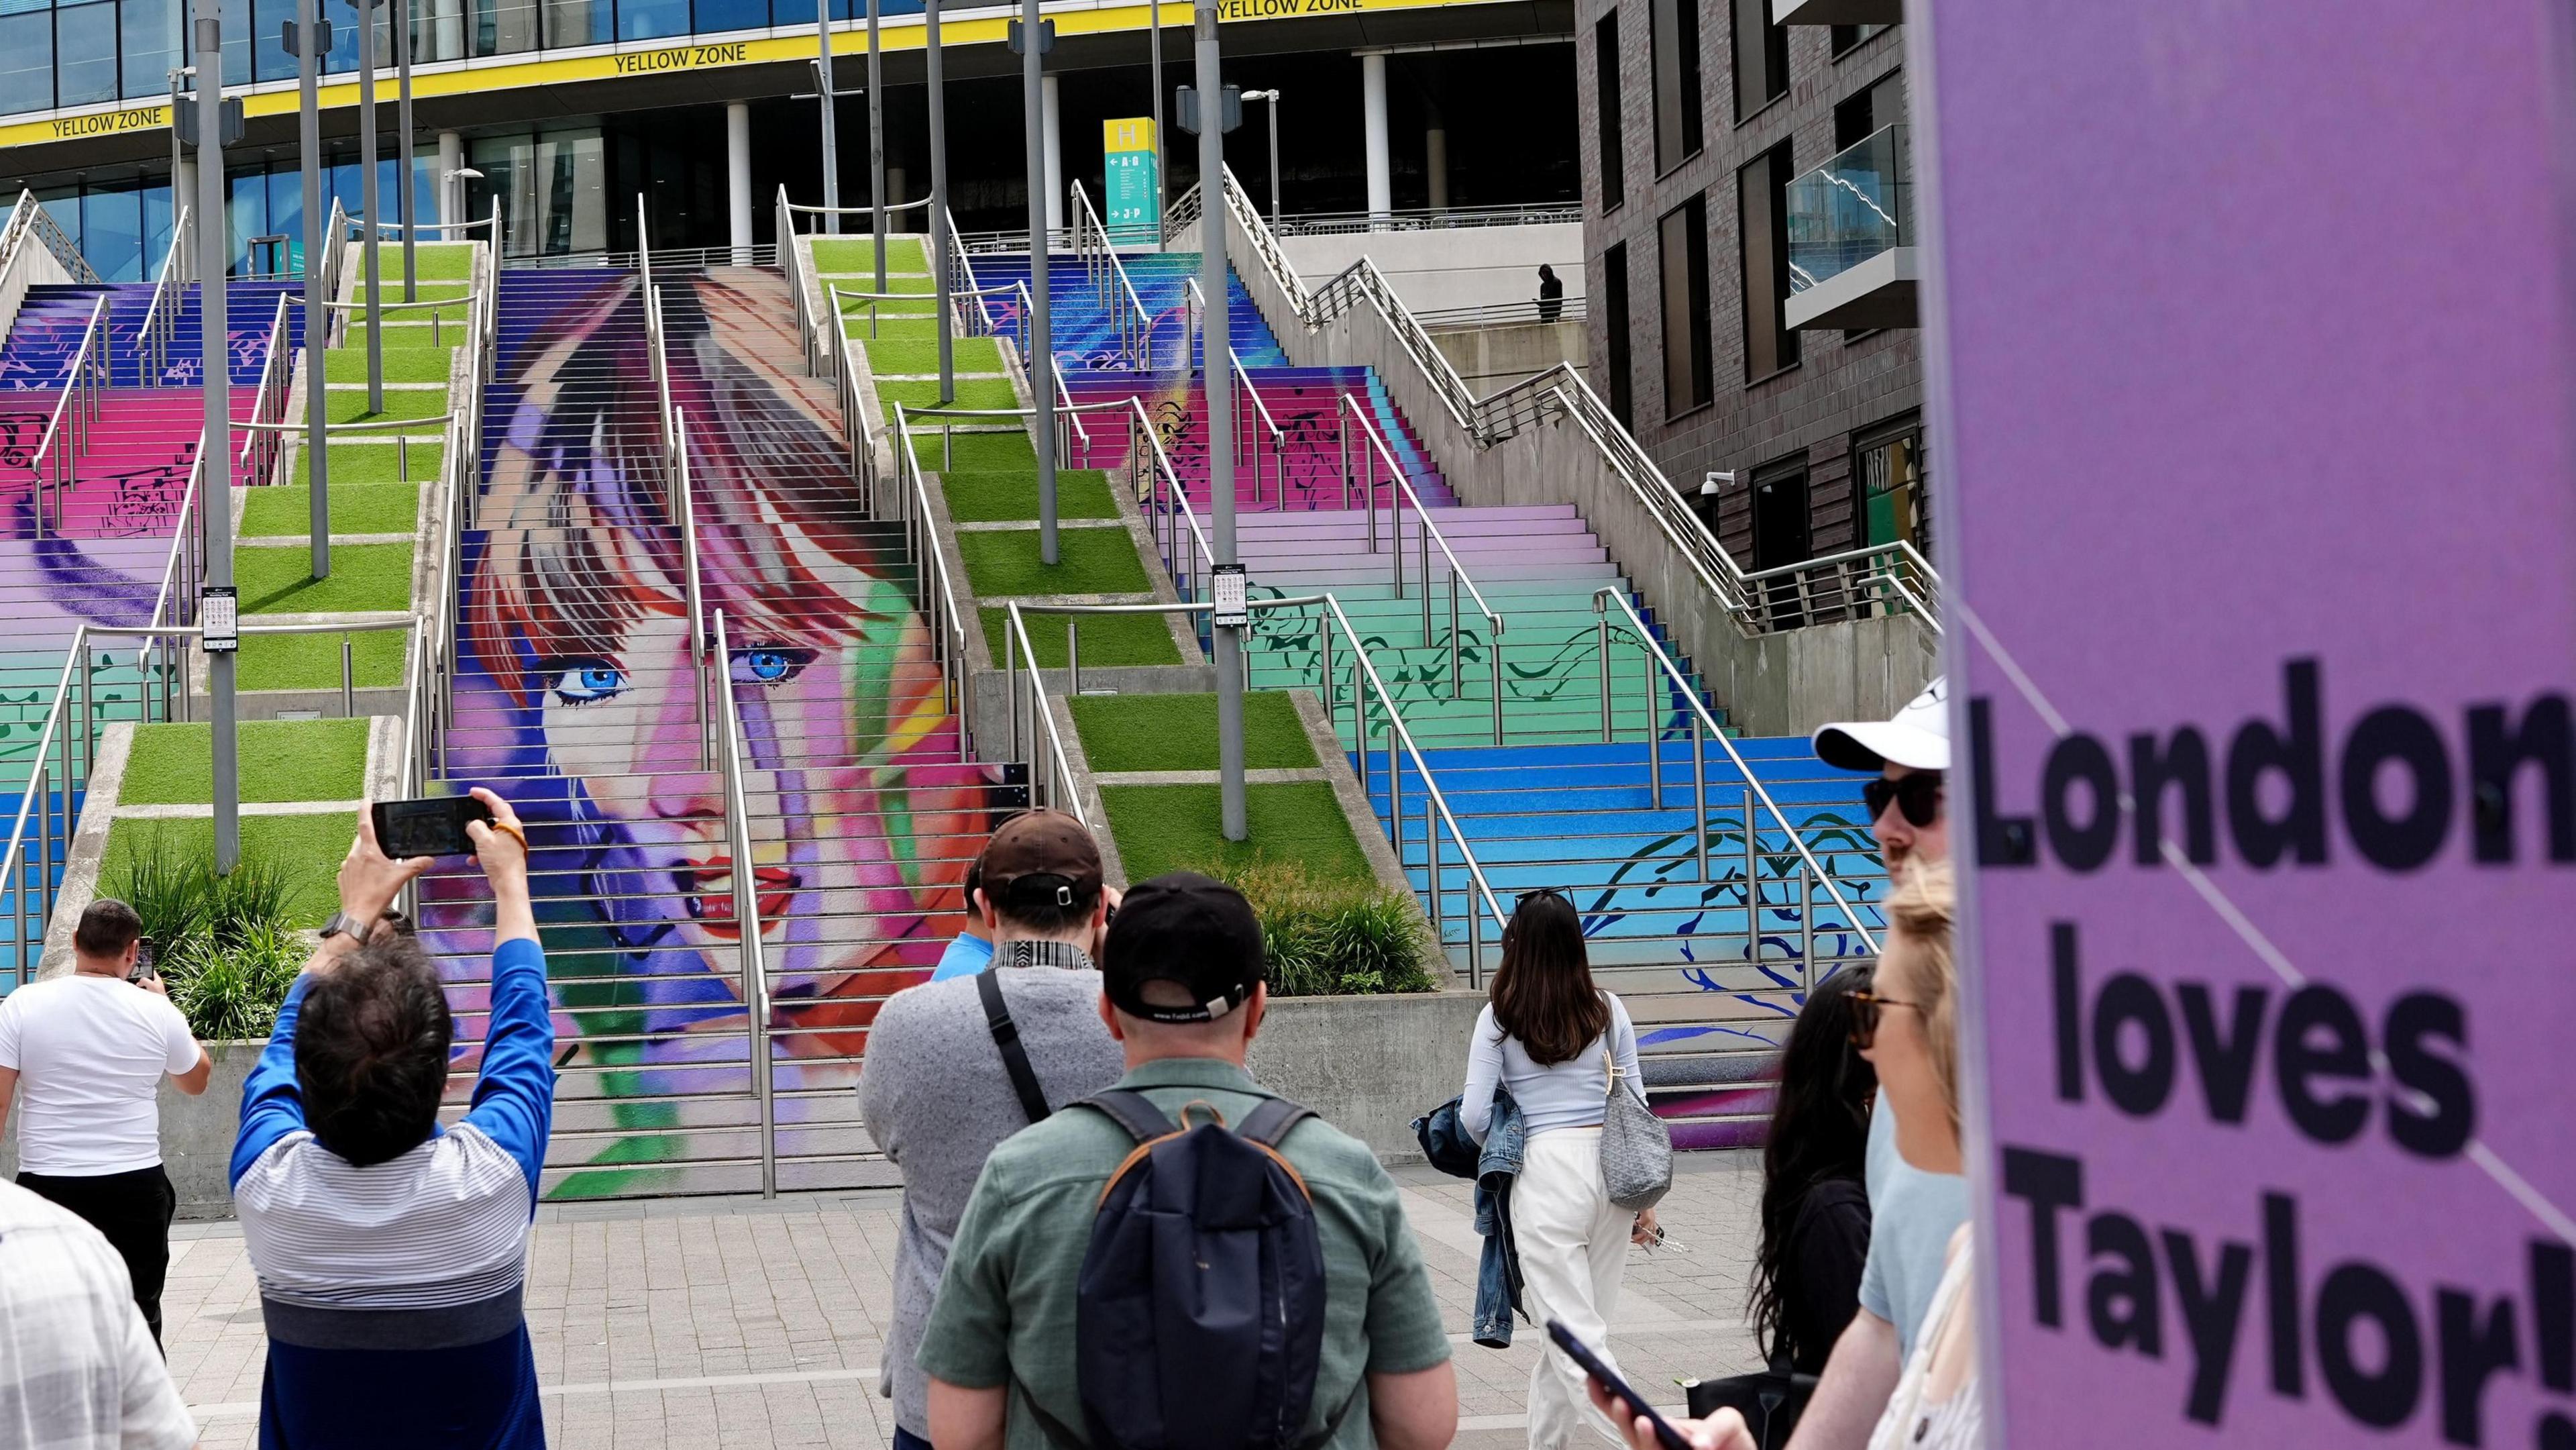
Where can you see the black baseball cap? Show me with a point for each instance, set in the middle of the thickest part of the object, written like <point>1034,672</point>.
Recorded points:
<point>1188,929</point>
<point>1040,856</point>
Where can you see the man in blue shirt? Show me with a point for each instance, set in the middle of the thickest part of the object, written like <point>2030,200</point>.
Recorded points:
<point>970,951</point>
<point>390,1252</point>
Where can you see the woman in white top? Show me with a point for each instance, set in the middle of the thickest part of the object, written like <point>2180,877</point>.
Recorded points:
<point>1552,1038</point>
<point>1907,1025</point>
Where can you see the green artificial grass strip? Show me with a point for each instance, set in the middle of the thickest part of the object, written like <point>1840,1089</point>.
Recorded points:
<point>975,452</point>
<point>281,760</point>
<point>363,576</point>
<point>378,462</point>
<point>286,511</point>
<point>989,498</point>
<point>430,261</point>
<point>389,284</point>
<point>903,254</point>
<point>312,661</point>
<point>1107,639</point>
<point>1162,828</point>
<point>970,354</point>
<point>971,393</point>
<point>1089,561</point>
<point>402,336</point>
<point>907,287</point>
<point>402,365</point>
<point>1178,732</point>
<point>349,405</point>
<point>307,850</point>
<point>921,327</point>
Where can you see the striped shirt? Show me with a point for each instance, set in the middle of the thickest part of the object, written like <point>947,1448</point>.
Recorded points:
<point>78,1371</point>
<point>392,1292</point>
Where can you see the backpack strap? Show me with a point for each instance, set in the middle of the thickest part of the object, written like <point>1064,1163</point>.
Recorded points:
<point>1132,1111</point>
<point>1269,1123</point>
<point>1006,1037</point>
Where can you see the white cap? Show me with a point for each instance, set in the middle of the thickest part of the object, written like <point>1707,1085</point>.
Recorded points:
<point>1918,738</point>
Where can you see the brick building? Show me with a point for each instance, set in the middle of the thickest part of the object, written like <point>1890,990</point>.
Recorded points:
<point>1748,234</point>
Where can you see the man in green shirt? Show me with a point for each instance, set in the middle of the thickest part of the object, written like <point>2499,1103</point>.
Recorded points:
<point>1181,991</point>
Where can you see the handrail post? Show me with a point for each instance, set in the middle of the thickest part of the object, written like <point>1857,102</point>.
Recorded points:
<point>1699,802</point>
<point>1601,630</point>
<point>1752,879</point>
<point>1654,732</point>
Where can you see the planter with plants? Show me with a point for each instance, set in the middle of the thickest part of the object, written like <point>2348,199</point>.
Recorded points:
<point>226,946</point>
<point>1333,935</point>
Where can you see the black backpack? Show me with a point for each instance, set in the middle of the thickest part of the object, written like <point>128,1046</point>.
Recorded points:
<point>1200,1318</point>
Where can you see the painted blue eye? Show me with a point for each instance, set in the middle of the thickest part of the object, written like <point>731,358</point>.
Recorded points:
<point>768,666</point>
<point>583,682</point>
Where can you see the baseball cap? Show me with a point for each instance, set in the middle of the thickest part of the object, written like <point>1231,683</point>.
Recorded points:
<point>1188,929</point>
<point>1918,738</point>
<point>1046,852</point>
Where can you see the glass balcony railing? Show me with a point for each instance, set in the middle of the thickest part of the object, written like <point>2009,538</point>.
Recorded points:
<point>1852,208</point>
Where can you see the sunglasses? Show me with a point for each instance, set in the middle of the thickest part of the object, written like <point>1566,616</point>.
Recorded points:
<point>1865,1009</point>
<point>1917,795</point>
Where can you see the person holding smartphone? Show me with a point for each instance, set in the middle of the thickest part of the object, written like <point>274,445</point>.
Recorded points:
<point>391,1252</point>
<point>83,1055</point>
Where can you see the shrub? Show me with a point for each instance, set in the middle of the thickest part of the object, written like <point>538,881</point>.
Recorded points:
<point>1327,936</point>
<point>225,945</point>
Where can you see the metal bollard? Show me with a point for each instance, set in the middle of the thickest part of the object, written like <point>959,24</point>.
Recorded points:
<point>348,681</point>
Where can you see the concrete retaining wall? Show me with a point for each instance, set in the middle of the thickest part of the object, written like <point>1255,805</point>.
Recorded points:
<point>1491,358</point>
<point>196,1133</point>
<point>1368,1064</point>
<point>1449,267</point>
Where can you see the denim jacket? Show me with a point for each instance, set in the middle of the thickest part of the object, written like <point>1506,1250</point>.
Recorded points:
<point>1498,1270</point>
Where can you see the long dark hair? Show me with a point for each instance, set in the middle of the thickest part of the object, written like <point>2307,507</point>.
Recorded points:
<point>1543,991</point>
<point>1819,1130</point>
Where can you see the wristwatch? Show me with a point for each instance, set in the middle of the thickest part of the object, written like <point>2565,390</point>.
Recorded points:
<point>342,924</point>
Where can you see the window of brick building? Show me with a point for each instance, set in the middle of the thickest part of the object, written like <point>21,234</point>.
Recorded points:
<point>1683,245</point>
<point>1893,484</point>
<point>1674,43</point>
<point>1606,98</point>
<point>1761,57</point>
<point>1614,327</point>
<point>1763,225</point>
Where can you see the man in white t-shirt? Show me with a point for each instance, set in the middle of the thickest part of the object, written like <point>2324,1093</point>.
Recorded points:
<point>82,1057</point>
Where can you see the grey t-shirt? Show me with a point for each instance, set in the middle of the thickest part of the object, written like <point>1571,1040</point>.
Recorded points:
<point>937,1100</point>
<point>1911,1217</point>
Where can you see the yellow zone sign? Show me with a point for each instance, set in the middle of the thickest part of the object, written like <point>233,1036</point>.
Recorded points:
<point>497,73</point>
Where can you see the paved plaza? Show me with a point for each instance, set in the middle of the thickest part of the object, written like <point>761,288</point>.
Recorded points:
<point>689,1323</point>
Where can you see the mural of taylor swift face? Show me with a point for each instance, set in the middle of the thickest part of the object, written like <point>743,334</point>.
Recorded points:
<point>578,689</point>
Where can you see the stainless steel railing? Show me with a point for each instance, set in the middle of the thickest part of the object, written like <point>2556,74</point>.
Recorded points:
<point>1426,534</point>
<point>30,219</point>
<point>1051,780</point>
<point>161,320</point>
<point>84,388</point>
<point>1665,679</point>
<point>1098,254</point>
<point>746,914</point>
<point>262,446</point>
<point>946,623</point>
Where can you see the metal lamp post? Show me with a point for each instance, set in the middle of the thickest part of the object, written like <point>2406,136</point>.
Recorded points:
<point>939,204</point>
<point>829,95</point>
<point>404,202</point>
<point>367,203</point>
<point>1272,96</point>
<point>1033,43</point>
<point>1217,340</point>
<point>317,316</point>
<point>215,357</point>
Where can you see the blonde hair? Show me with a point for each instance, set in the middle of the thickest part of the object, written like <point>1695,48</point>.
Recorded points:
<point>1924,912</point>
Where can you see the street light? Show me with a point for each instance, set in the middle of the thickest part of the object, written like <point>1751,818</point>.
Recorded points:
<point>1272,96</point>
<point>451,185</point>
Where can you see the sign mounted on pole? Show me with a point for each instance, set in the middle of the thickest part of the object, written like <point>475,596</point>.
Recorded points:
<point>2269,865</point>
<point>1134,194</point>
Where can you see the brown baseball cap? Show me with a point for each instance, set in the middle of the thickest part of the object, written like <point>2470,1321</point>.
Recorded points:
<point>1041,844</point>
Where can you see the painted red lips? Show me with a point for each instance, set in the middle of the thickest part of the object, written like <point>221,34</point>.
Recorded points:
<point>709,885</point>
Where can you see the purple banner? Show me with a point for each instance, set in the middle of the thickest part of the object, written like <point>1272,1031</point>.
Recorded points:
<point>2252,370</point>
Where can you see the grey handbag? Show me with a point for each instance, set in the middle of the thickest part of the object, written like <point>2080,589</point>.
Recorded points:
<point>1636,1148</point>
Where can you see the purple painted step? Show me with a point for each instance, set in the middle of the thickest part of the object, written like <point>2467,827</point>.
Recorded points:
<point>128,482</point>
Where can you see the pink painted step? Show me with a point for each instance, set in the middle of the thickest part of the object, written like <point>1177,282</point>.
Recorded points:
<point>130,479</point>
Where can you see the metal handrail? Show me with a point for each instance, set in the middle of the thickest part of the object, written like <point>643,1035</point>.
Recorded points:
<point>29,215</point>
<point>1441,218</point>
<point>1051,783</point>
<point>858,429</point>
<point>1016,646</point>
<point>1704,724</point>
<point>1429,533</point>
<point>961,279</point>
<point>1135,324</point>
<point>746,917</point>
<point>891,207</point>
<point>1067,415</point>
<point>261,449</point>
<point>182,578</point>
<point>331,261</point>
<point>161,319</point>
<point>85,380</point>
<point>1278,436</point>
<point>680,504</point>
<point>939,606</point>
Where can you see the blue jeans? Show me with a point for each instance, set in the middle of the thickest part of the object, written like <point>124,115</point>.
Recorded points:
<point>906,1440</point>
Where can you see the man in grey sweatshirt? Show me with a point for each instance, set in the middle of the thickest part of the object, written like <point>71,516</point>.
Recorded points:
<point>935,1088</point>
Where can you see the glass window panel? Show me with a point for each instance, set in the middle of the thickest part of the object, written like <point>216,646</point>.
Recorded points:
<point>268,53</point>
<point>715,15</point>
<point>504,27</point>
<point>151,42</point>
<point>437,30</point>
<point>236,25</point>
<point>62,203</point>
<point>343,55</point>
<point>246,214</point>
<point>156,229</point>
<point>112,234</point>
<point>286,213</point>
<point>27,60</point>
<point>578,22</point>
<point>651,19</point>
<point>85,54</point>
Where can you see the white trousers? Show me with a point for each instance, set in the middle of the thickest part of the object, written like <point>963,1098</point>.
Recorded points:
<point>1573,1245</point>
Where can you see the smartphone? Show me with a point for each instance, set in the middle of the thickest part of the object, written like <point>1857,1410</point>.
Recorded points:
<point>434,826</point>
<point>1582,1354</point>
<point>142,964</point>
